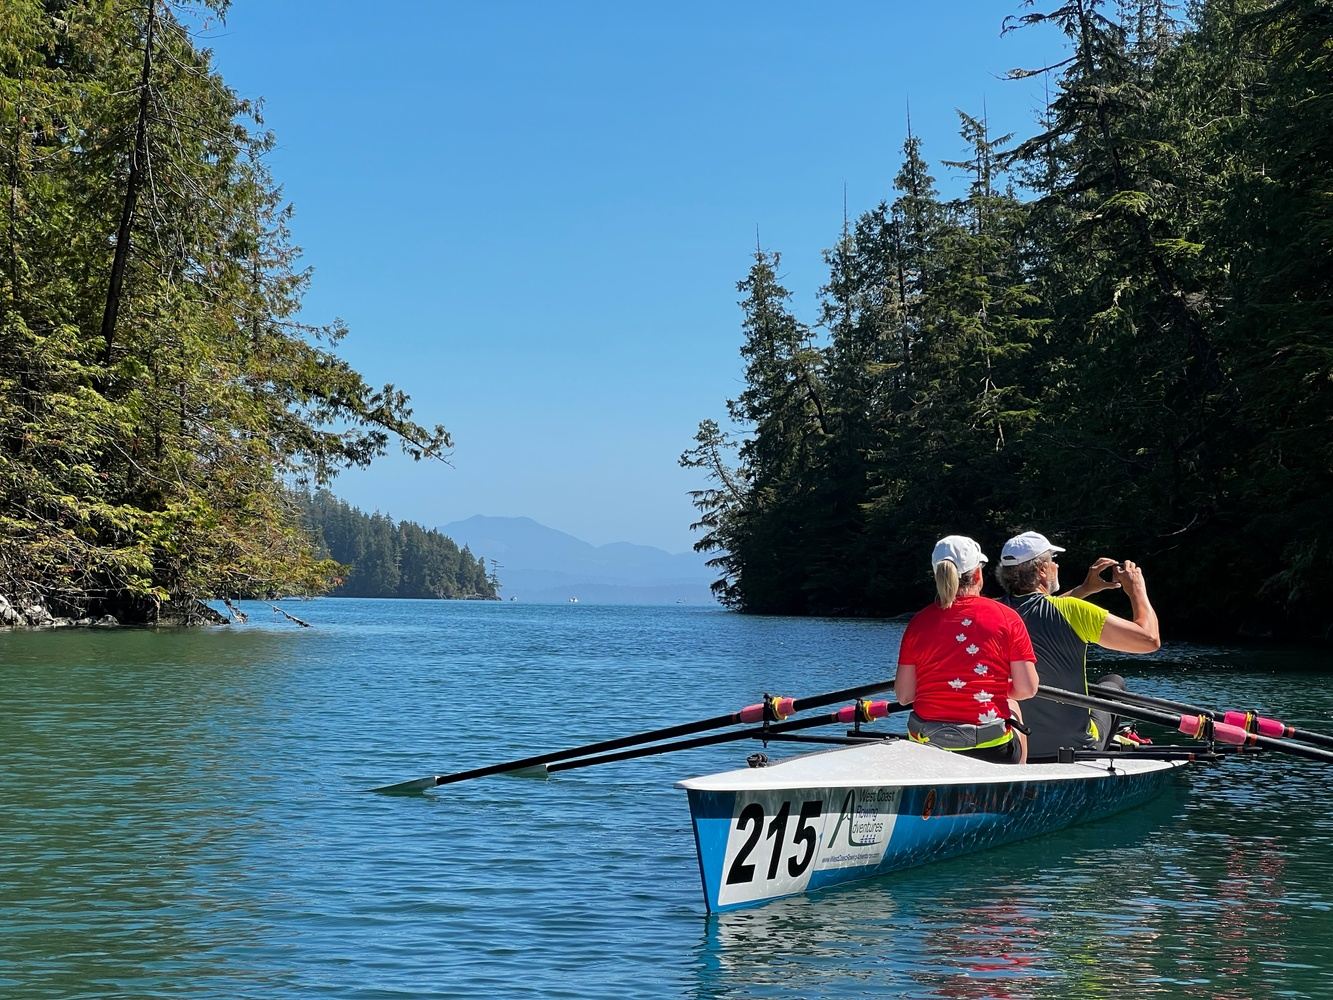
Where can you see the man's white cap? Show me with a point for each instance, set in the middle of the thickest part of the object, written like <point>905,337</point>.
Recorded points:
<point>1026,547</point>
<point>959,550</point>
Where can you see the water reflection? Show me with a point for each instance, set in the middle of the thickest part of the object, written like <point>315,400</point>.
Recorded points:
<point>1250,894</point>
<point>977,926</point>
<point>181,814</point>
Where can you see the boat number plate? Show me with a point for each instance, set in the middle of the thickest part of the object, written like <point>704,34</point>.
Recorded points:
<point>779,840</point>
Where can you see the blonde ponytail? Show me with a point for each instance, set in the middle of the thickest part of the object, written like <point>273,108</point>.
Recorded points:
<point>946,583</point>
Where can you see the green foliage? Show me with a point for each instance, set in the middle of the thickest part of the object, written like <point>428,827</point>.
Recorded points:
<point>1122,335</point>
<point>157,391</point>
<point>382,559</point>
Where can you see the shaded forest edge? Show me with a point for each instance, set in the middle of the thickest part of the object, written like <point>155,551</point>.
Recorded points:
<point>159,391</point>
<point>1121,335</point>
<point>381,558</point>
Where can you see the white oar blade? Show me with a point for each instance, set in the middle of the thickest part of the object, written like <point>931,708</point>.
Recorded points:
<point>414,787</point>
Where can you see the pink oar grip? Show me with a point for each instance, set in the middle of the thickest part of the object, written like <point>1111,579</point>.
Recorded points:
<point>1226,733</point>
<point>782,707</point>
<point>1190,725</point>
<point>753,713</point>
<point>873,710</point>
<point>1273,728</point>
<point>1264,726</point>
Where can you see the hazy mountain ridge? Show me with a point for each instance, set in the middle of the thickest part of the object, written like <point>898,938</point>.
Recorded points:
<point>540,564</point>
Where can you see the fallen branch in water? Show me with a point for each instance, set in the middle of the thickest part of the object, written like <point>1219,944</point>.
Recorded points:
<point>290,617</point>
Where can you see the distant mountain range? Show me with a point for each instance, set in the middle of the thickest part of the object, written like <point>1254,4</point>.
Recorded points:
<point>540,564</point>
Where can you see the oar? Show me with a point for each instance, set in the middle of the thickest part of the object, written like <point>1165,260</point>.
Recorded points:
<point>1192,725</point>
<point>1149,753</point>
<point>770,709</point>
<point>1251,722</point>
<point>869,711</point>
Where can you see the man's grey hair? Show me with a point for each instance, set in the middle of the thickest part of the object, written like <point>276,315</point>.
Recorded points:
<point>1021,579</point>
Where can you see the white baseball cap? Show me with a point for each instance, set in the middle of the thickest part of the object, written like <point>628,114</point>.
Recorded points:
<point>1026,547</point>
<point>959,550</point>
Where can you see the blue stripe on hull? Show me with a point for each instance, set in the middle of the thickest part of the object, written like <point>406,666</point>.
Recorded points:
<point>737,851</point>
<point>712,813</point>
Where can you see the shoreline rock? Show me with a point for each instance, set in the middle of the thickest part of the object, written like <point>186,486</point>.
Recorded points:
<point>34,613</point>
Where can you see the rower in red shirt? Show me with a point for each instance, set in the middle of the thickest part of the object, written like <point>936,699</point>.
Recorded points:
<point>965,663</point>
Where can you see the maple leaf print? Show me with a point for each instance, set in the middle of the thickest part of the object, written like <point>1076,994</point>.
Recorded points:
<point>961,637</point>
<point>973,649</point>
<point>988,717</point>
<point>956,683</point>
<point>983,696</point>
<point>981,669</point>
<point>967,621</point>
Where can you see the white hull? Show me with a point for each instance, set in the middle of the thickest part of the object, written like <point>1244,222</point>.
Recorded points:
<point>852,813</point>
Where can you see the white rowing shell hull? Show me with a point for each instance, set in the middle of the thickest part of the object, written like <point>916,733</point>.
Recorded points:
<point>840,815</point>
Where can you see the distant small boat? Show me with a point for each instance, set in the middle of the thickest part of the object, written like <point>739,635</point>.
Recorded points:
<point>573,600</point>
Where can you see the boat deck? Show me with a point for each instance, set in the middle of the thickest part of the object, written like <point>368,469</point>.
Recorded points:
<point>903,763</point>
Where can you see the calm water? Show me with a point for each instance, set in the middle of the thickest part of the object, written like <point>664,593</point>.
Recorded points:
<point>182,815</point>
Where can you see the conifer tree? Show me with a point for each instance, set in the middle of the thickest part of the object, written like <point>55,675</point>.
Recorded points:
<point>158,394</point>
<point>721,508</point>
<point>1132,351</point>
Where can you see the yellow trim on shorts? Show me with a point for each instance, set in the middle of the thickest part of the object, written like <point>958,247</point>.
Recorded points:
<point>997,742</point>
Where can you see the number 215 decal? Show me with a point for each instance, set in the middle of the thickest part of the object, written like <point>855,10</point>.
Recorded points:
<point>804,838</point>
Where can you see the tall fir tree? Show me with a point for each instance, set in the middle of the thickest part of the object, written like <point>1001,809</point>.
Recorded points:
<point>158,394</point>
<point>1132,351</point>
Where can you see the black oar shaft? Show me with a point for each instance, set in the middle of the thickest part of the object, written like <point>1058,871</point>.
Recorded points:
<point>1309,736</point>
<point>1106,691</point>
<point>833,697</point>
<point>1290,732</point>
<point>652,736</point>
<point>670,732</point>
<point>1088,701</point>
<point>1153,753</point>
<point>1173,721</point>
<point>756,732</point>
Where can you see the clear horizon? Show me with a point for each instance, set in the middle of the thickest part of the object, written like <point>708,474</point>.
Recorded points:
<point>533,217</point>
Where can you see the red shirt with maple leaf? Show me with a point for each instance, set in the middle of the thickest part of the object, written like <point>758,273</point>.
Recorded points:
<point>962,655</point>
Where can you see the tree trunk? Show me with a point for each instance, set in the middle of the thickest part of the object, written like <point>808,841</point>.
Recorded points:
<point>138,159</point>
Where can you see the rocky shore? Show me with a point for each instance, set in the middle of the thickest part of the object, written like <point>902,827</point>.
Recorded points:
<point>36,614</point>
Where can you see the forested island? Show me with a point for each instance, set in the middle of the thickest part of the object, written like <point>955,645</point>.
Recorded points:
<point>1121,335</point>
<point>382,558</point>
<point>160,396</point>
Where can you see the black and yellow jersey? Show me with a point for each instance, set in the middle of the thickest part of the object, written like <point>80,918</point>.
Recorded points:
<point>1061,629</point>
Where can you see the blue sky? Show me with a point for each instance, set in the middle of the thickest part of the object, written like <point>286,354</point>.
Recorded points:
<point>533,215</point>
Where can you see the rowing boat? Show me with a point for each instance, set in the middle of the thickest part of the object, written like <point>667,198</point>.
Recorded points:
<point>835,816</point>
<point>883,804</point>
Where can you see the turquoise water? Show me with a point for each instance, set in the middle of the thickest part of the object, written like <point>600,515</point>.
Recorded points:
<point>182,814</point>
